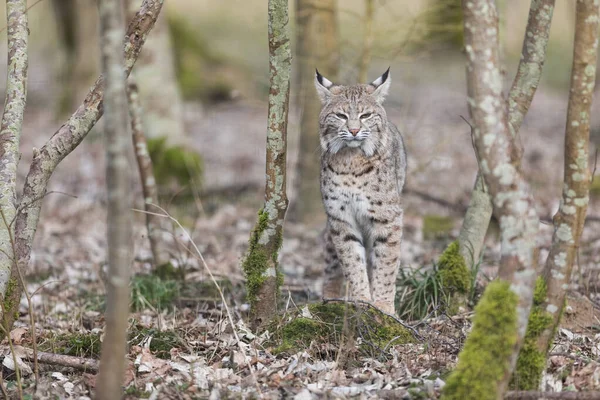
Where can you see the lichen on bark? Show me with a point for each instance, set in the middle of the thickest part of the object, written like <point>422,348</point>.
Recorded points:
<point>266,239</point>
<point>10,133</point>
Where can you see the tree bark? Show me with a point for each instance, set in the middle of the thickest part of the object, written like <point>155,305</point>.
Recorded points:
<point>159,93</point>
<point>119,232</point>
<point>317,38</point>
<point>62,143</point>
<point>365,58</point>
<point>529,73</point>
<point>570,218</point>
<point>261,263</point>
<point>10,135</point>
<point>153,222</point>
<point>514,208</point>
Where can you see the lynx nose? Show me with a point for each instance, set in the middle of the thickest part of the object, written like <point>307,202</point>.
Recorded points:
<point>354,131</point>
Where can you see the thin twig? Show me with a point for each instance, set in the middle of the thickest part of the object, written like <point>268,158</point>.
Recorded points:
<point>28,8</point>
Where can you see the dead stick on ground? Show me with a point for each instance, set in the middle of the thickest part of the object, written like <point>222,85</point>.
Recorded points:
<point>79,363</point>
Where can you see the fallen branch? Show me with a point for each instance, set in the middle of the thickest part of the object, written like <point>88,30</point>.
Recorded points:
<point>533,395</point>
<point>79,363</point>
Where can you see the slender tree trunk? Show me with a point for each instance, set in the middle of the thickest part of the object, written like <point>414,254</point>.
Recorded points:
<point>62,143</point>
<point>529,73</point>
<point>261,263</point>
<point>570,218</point>
<point>160,97</point>
<point>365,59</point>
<point>119,239</point>
<point>317,38</point>
<point>486,363</point>
<point>153,222</point>
<point>10,135</point>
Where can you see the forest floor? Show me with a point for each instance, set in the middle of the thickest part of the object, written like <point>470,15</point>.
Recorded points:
<point>188,343</point>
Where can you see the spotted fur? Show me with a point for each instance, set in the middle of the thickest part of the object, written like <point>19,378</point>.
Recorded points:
<point>363,168</point>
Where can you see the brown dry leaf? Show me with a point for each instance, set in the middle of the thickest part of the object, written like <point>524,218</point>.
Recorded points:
<point>17,334</point>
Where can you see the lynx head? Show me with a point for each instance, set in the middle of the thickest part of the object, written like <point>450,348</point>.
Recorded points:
<point>353,116</point>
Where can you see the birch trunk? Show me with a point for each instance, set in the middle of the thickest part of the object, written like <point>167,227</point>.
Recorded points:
<point>529,73</point>
<point>570,218</point>
<point>261,263</point>
<point>62,143</point>
<point>153,222</point>
<point>119,232</point>
<point>10,135</point>
<point>159,93</point>
<point>489,356</point>
<point>317,38</point>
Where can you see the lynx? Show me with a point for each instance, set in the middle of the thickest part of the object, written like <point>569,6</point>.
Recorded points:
<point>363,168</point>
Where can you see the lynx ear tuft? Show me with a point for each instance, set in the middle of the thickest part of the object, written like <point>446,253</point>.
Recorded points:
<point>323,85</point>
<point>382,86</point>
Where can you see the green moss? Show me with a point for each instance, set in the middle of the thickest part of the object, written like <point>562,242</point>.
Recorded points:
<point>9,302</point>
<point>436,225</point>
<point>324,328</point>
<point>86,345</point>
<point>484,359</point>
<point>161,342</point>
<point>257,260</point>
<point>152,291</point>
<point>453,270</point>
<point>168,272</point>
<point>531,361</point>
<point>595,186</point>
<point>174,164</point>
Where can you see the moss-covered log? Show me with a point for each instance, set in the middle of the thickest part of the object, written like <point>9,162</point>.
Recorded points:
<point>260,266</point>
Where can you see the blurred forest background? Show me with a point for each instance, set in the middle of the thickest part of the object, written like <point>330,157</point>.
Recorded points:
<point>217,52</point>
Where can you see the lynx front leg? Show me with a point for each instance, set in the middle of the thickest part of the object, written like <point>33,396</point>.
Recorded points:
<point>385,256</point>
<point>334,278</point>
<point>351,253</point>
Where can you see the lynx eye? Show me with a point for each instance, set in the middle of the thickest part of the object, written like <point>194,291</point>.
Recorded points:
<point>341,116</point>
<point>365,115</point>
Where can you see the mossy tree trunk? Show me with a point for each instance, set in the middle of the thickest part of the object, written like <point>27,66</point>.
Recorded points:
<point>507,302</point>
<point>317,38</point>
<point>160,97</point>
<point>117,140</point>
<point>570,217</point>
<point>61,144</point>
<point>261,265</point>
<point>10,136</point>
<point>529,73</point>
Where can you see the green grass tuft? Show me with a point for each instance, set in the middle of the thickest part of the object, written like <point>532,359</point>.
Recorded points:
<point>150,291</point>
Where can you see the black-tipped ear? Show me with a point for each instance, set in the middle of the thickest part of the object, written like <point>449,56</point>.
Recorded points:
<point>382,86</point>
<point>323,85</point>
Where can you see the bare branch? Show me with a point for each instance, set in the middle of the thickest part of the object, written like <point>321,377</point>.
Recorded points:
<point>82,364</point>
<point>144,163</point>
